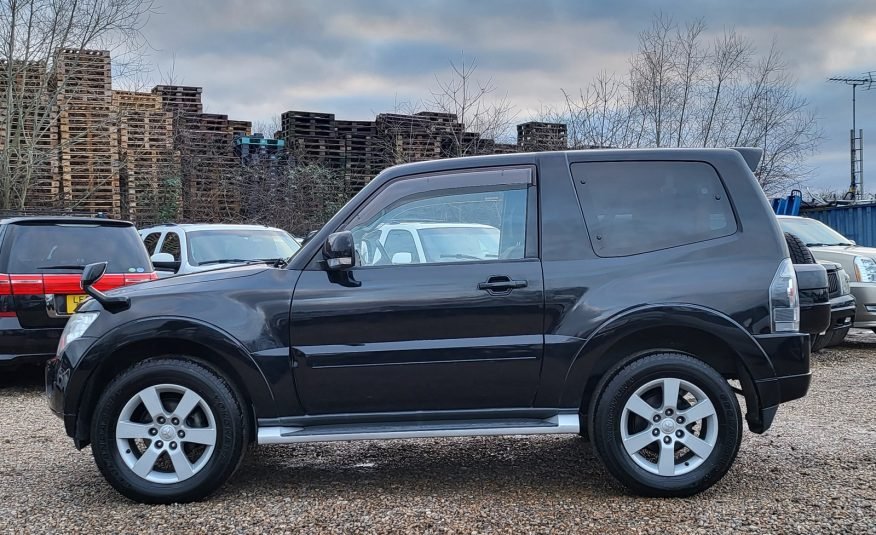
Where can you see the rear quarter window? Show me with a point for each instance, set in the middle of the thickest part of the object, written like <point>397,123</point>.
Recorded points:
<point>49,248</point>
<point>638,207</point>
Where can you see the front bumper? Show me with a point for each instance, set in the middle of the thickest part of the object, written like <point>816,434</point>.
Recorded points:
<point>865,311</point>
<point>842,312</point>
<point>789,355</point>
<point>58,372</point>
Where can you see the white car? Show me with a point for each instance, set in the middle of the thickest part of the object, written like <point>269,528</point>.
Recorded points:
<point>415,243</point>
<point>190,248</point>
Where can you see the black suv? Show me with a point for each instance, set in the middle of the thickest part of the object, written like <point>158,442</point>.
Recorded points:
<point>41,262</point>
<point>626,295</point>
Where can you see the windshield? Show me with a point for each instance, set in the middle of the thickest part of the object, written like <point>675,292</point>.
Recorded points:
<point>68,248</point>
<point>448,244</point>
<point>239,245</point>
<point>813,233</point>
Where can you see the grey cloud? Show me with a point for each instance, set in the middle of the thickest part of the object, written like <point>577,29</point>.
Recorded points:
<point>355,58</point>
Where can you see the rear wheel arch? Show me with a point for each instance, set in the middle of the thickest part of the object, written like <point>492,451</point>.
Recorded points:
<point>701,333</point>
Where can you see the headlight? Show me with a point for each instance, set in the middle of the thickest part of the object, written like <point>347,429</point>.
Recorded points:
<point>865,269</point>
<point>76,327</point>
<point>844,278</point>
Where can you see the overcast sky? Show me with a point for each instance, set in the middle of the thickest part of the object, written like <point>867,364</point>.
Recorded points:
<point>256,59</point>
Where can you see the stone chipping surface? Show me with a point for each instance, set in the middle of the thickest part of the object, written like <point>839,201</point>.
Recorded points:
<point>813,472</point>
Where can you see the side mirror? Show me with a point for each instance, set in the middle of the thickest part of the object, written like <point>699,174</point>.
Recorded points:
<point>90,275</point>
<point>402,258</point>
<point>164,261</point>
<point>339,251</point>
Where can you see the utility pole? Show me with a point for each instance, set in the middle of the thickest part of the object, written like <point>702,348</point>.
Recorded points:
<point>856,143</point>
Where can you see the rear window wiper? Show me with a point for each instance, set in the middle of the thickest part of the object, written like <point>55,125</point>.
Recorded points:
<point>62,267</point>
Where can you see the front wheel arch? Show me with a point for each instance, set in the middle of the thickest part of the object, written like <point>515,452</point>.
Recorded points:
<point>150,339</point>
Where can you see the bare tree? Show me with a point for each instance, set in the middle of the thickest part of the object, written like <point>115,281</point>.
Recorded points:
<point>682,91</point>
<point>476,105</point>
<point>37,85</point>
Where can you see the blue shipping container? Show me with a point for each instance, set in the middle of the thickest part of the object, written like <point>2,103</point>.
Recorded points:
<point>855,222</point>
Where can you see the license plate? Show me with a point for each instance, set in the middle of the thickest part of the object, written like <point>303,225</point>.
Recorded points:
<point>73,302</point>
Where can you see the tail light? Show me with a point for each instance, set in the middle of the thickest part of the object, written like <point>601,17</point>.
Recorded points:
<point>785,299</point>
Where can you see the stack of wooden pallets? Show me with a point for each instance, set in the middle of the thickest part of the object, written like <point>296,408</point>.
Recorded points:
<point>32,150</point>
<point>148,165</point>
<point>538,136</point>
<point>207,159</point>
<point>362,152</point>
<point>179,98</point>
<point>88,132</point>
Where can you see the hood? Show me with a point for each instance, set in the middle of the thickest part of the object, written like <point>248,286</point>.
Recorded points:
<point>854,250</point>
<point>214,275</point>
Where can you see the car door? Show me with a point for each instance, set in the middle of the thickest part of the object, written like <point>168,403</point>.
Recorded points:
<point>458,327</point>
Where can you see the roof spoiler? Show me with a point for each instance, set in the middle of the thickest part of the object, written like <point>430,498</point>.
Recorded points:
<point>751,155</point>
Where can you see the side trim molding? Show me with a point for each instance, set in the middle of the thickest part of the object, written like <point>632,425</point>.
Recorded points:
<point>557,424</point>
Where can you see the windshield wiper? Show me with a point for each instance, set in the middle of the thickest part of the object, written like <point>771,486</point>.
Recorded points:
<point>71,266</point>
<point>817,244</point>
<point>461,256</point>
<point>843,244</point>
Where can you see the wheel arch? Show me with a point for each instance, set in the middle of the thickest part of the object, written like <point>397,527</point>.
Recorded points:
<point>697,331</point>
<point>161,337</point>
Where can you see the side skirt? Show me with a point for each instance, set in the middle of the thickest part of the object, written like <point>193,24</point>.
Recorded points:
<point>555,424</point>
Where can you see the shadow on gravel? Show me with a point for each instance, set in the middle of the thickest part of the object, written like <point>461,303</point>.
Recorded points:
<point>468,466</point>
<point>22,378</point>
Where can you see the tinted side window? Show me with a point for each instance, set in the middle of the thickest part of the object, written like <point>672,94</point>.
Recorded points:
<point>150,241</point>
<point>637,207</point>
<point>171,245</point>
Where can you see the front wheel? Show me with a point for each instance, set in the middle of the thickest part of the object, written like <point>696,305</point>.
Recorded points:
<point>168,430</point>
<point>667,425</point>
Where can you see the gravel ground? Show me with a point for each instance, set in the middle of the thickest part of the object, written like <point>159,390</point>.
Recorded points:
<point>813,472</point>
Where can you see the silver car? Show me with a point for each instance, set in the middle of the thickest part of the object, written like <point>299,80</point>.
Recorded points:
<point>859,262</point>
<point>189,248</point>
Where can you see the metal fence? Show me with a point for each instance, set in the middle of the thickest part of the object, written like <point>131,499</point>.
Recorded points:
<point>856,222</point>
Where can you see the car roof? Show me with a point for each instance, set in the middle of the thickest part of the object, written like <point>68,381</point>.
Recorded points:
<point>190,227</point>
<point>60,220</point>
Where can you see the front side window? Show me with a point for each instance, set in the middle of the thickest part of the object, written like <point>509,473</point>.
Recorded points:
<point>171,245</point>
<point>476,223</point>
<point>638,207</point>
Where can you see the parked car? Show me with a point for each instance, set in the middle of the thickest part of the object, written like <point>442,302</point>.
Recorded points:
<point>626,293</point>
<point>858,262</point>
<point>41,262</point>
<point>182,249</point>
<point>827,308</point>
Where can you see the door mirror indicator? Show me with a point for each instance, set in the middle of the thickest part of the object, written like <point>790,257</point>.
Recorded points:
<point>402,258</point>
<point>339,252</point>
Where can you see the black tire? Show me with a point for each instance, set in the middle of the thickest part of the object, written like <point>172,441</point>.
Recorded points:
<point>607,418</point>
<point>838,336</point>
<point>231,430</point>
<point>800,254</point>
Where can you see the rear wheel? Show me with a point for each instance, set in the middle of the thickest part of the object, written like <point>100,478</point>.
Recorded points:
<point>168,430</point>
<point>667,425</point>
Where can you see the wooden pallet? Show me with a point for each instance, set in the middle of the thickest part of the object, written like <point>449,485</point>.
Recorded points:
<point>179,99</point>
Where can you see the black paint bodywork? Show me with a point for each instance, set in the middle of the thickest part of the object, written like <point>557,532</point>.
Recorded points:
<point>303,342</point>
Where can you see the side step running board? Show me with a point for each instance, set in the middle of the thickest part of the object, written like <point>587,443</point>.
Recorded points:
<point>560,423</point>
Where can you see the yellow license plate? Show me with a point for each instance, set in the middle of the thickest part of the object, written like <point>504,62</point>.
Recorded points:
<point>73,302</point>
